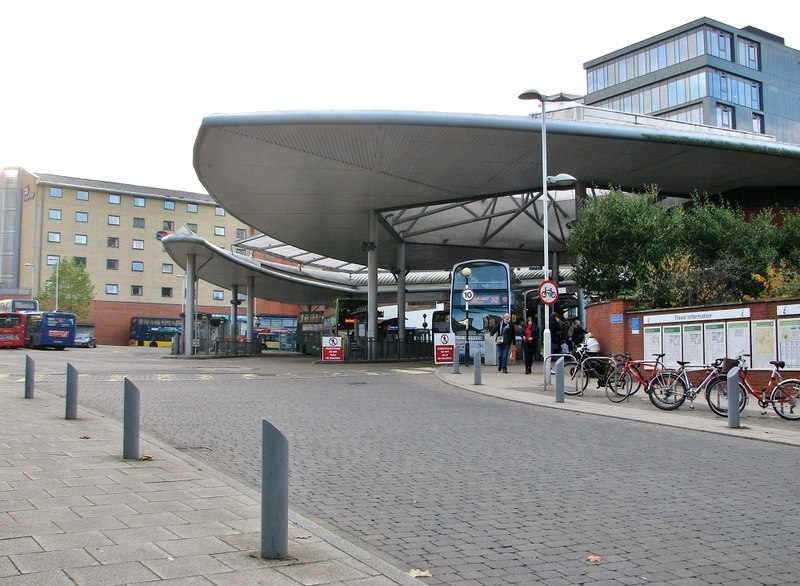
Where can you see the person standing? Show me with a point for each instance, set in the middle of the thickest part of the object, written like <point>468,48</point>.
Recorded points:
<point>505,337</point>
<point>577,336</point>
<point>529,341</point>
<point>556,325</point>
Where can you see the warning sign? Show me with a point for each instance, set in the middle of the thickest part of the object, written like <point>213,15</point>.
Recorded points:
<point>332,350</point>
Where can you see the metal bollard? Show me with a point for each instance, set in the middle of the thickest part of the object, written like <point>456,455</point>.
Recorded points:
<point>560,380</point>
<point>478,358</point>
<point>733,397</point>
<point>30,367</point>
<point>130,418</point>
<point>274,493</point>
<point>72,393</point>
<point>456,360</point>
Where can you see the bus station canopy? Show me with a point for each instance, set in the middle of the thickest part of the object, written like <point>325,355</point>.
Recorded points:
<point>455,186</point>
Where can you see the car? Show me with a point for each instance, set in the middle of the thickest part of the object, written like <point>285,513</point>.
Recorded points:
<point>85,340</point>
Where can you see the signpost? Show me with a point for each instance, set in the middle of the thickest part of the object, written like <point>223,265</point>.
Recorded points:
<point>548,292</point>
<point>332,350</point>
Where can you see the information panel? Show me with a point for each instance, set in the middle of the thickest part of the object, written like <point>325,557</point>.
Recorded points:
<point>789,342</point>
<point>652,341</point>
<point>693,344</point>
<point>738,338</point>
<point>673,348</point>
<point>714,341</point>
<point>763,332</point>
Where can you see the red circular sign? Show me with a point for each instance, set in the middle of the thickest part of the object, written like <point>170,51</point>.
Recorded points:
<point>548,292</point>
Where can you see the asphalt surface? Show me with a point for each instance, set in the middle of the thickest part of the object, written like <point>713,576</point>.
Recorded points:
<point>479,484</point>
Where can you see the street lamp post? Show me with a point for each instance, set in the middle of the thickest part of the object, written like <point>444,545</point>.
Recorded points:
<point>536,95</point>
<point>33,275</point>
<point>58,264</point>
<point>466,271</point>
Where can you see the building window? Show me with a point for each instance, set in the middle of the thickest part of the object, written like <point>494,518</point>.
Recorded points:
<point>167,268</point>
<point>169,205</point>
<point>81,239</point>
<point>219,212</point>
<point>725,116</point>
<point>137,266</point>
<point>166,291</point>
<point>747,54</point>
<point>219,230</point>
<point>52,260</point>
<point>82,217</point>
<point>137,290</point>
<point>192,227</point>
<point>112,288</point>
<point>54,214</point>
<point>54,236</point>
<point>758,123</point>
<point>79,261</point>
<point>112,242</point>
<point>218,295</point>
<point>169,225</point>
<point>191,208</point>
<point>138,244</point>
<point>138,222</point>
<point>114,199</point>
<point>82,195</point>
<point>241,251</point>
<point>138,202</point>
<point>113,220</point>
<point>112,264</point>
<point>55,192</point>
<point>241,233</point>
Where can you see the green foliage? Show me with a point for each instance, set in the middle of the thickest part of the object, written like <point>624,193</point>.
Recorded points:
<point>704,252</point>
<point>75,290</point>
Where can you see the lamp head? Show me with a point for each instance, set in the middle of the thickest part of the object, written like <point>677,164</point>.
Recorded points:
<point>466,271</point>
<point>532,95</point>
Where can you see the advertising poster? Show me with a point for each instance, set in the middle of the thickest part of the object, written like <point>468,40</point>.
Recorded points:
<point>738,339</point>
<point>693,343</point>
<point>789,342</point>
<point>763,343</point>
<point>714,341</point>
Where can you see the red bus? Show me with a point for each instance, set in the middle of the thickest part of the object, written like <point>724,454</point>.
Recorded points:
<point>12,330</point>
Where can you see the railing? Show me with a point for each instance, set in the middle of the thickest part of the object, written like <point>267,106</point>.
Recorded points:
<point>375,350</point>
<point>222,347</point>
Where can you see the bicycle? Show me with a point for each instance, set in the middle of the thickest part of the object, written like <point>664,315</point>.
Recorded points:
<point>627,379</point>
<point>588,366</point>
<point>782,395</point>
<point>669,389</point>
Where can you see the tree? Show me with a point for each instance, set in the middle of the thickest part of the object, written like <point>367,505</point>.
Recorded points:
<point>618,240</point>
<point>75,289</point>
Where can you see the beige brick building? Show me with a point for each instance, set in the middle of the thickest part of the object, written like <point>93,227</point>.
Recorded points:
<point>115,230</point>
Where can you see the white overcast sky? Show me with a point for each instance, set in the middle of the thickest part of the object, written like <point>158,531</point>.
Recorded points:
<point>116,90</point>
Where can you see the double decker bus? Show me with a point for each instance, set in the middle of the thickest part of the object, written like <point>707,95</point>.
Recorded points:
<point>12,329</point>
<point>154,332</point>
<point>311,327</point>
<point>50,329</point>
<point>19,305</point>
<point>490,296</point>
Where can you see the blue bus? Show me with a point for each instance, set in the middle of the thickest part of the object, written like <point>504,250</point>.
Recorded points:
<point>50,329</point>
<point>7,305</point>
<point>489,297</point>
<point>154,332</point>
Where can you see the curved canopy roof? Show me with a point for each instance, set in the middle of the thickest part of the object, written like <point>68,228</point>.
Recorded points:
<point>452,186</point>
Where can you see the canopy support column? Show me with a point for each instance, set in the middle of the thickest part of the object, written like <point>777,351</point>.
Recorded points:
<point>188,316</point>
<point>234,331</point>
<point>401,292</point>
<point>251,286</point>
<point>372,285</point>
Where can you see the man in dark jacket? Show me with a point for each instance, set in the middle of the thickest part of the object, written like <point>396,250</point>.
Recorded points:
<point>505,337</point>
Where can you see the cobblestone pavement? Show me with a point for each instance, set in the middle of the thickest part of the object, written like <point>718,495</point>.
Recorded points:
<point>478,489</point>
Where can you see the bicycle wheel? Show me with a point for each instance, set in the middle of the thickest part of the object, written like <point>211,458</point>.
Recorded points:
<point>667,391</point>
<point>717,396</point>
<point>785,399</point>
<point>573,385</point>
<point>618,386</point>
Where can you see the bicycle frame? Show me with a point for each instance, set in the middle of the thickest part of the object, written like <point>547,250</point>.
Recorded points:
<point>620,384</point>
<point>669,389</point>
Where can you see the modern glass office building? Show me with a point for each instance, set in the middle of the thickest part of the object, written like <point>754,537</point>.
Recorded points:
<point>704,72</point>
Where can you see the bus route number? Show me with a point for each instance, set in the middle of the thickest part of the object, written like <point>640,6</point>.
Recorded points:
<point>548,292</point>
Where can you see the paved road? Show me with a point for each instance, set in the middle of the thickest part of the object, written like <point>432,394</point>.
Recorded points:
<point>476,489</point>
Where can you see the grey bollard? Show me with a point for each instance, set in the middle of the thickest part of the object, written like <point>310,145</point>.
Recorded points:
<point>72,393</point>
<point>130,418</point>
<point>560,380</point>
<point>274,493</point>
<point>30,367</point>
<point>456,360</point>
<point>478,358</point>
<point>733,397</point>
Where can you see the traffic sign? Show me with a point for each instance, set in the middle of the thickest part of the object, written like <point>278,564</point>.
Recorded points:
<point>467,295</point>
<point>548,292</point>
